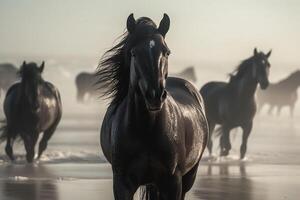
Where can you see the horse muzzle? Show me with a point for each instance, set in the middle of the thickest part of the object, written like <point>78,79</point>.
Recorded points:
<point>264,85</point>
<point>155,100</point>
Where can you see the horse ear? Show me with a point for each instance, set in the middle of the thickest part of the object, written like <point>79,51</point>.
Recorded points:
<point>131,23</point>
<point>42,66</point>
<point>255,51</point>
<point>164,25</point>
<point>269,53</point>
<point>24,63</point>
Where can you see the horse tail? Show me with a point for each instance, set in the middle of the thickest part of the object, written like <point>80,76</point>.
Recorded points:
<point>3,131</point>
<point>149,192</point>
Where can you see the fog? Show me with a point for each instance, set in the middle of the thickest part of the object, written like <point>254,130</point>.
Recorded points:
<point>201,31</point>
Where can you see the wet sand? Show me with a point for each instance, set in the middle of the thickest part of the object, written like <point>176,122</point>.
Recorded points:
<point>93,181</point>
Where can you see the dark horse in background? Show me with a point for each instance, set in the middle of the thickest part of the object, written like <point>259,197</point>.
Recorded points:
<point>85,85</point>
<point>280,94</point>
<point>188,73</point>
<point>233,104</point>
<point>8,75</point>
<point>31,106</point>
<point>155,130</point>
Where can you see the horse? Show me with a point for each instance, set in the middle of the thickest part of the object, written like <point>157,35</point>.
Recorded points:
<point>188,73</point>
<point>85,84</point>
<point>155,129</point>
<point>280,94</point>
<point>233,104</point>
<point>31,106</point>
<point>8,75</point>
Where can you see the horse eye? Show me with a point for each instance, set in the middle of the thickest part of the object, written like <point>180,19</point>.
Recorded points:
<point>167,53</point>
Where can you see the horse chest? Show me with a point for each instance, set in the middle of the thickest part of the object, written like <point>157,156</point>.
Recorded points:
<point>139,158</point>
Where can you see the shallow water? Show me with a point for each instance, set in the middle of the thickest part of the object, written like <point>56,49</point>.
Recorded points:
<point>73,166</point>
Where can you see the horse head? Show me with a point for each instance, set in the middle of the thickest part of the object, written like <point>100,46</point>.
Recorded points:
<point>31,76</point>
<point>148,57</point>
<point>261,68</point>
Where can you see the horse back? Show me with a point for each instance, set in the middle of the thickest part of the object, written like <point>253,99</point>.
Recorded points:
<point>183,92</point>
<point>277,94</point>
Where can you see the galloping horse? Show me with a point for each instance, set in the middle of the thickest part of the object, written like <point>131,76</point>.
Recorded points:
<point>155,130</point>
<point>282,93</point>
<point>233,104</point>
<point>31,106</point>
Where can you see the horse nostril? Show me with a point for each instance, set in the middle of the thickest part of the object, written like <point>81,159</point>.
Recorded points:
<point>163,95</point>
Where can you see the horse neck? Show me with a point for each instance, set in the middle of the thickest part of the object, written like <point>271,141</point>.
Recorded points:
<point>245,87</point>
<point>29,92</point>
<point>137,112</point>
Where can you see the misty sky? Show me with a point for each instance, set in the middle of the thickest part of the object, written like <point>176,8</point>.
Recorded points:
<point>201,30</point>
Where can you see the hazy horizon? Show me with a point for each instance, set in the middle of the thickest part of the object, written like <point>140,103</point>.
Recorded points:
<point>201,31</point>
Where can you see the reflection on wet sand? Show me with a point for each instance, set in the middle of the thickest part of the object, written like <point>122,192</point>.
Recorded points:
<point>225,181</point>
<point>18,187</point>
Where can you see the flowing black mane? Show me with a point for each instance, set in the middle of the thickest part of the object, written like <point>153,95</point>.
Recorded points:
<point>114,67</point>
<point>240,70</point>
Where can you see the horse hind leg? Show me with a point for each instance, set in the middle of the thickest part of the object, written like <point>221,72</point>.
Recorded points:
<point>9,136</point>
<point>44,141</point>
<point>225,141</point>
<point>210,142</point>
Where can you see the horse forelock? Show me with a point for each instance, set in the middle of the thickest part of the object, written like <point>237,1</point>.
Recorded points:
<point>113,71</point>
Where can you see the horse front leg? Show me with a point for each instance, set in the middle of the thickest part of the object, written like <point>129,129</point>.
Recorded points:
<point>246,132</point>
<point>29,142</point>
<point>9,148</point>
<point>44,141</point>
<point>122,187</point>
<point>170,188</point>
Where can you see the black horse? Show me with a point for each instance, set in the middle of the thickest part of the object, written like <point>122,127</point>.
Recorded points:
<point>31,106</point>
<point>155,130</point>
<point>85,84</point>
<point>8,75</point>
<point>280,94</point>
<point>233,104</point>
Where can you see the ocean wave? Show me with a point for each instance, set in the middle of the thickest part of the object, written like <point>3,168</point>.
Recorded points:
<point>59,157</point>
